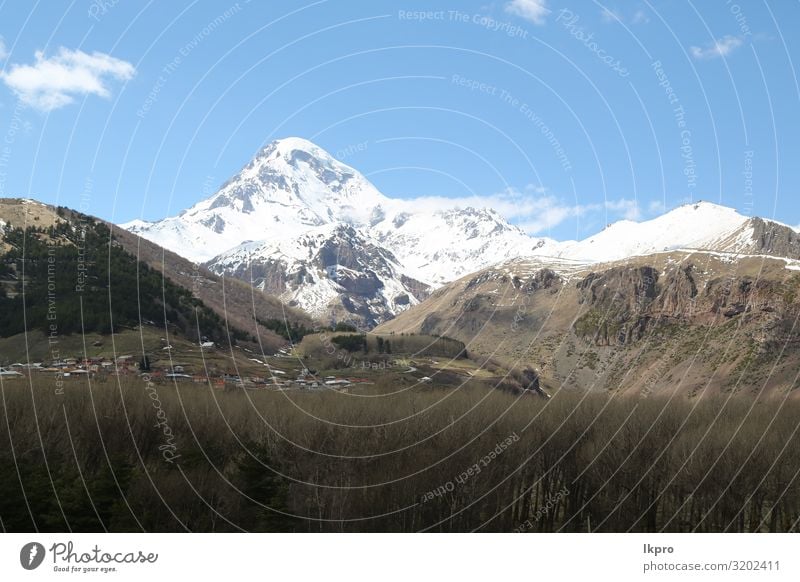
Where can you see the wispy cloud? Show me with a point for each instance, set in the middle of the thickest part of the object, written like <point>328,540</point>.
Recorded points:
<point>719,48</point>
<point>656,207</point>
<point>554,211</point>
<point>534,10</point>
<point>611,15</point>
<point>3,50</point>
<point>533,209</point>
<point>625,208</point>
<point>56,81</point>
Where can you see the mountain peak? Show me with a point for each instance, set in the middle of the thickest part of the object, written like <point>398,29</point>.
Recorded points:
<point>291,185</point>
<point>705,207</point>
<point>318,233</point>
<point>284,147</point>
<point>297,155</point>
<point>699,225</point>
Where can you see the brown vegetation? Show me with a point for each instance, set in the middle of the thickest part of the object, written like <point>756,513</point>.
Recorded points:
<point>686,323</point>
<point>423,458</point>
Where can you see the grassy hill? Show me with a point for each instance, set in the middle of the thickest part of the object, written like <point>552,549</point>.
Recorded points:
<point>64,275</point>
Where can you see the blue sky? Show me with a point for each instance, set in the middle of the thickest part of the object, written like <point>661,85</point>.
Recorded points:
<point>563,115</point>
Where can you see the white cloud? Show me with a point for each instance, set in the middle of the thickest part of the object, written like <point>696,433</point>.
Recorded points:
<point>719,48</point>
<point>533,10</point>
<point>611,15</point>
<point>54,82</point>
<point>656,207</point>
<point>550,212</point>
<point>3,50</point>
<point>553,212</point>
<point>626,208</point>
<point>533,209</point>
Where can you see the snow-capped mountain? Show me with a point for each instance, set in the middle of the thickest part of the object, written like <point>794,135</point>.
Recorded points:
<point>441,246</point>
<point>335,267</point>
<point>302,225</point>
<point>291,186</point>
<point>696,226</point>
<point>293,198</point>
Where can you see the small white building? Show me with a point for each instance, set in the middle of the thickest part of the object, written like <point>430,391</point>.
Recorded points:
<point>337,382</point>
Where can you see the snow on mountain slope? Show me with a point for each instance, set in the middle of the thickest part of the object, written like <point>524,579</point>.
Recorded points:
<point>702,225</point>
<point>293,187</point>
<point>290,186</point>
<point>759,236</point>
<point>442,246</point>
<point>296,201</point>
<point>332,267</point>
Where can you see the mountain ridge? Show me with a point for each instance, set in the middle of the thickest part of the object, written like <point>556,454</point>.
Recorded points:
<point>680,322</point>
<point>293,191</point>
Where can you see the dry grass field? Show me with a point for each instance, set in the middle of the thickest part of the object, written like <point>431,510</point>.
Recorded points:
<point>133,456</point>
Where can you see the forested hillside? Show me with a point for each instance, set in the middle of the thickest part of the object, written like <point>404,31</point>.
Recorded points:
<point>73,277</point>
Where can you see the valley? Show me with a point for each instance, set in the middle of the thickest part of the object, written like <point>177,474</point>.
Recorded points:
<point>323,267</point>
<point>698,301</point>
<point>359,365</point>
